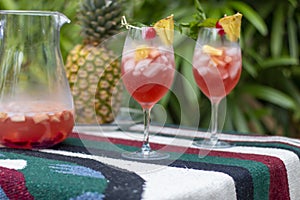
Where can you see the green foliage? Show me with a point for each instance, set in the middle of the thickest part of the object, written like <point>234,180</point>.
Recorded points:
<point>200,20</point>
<point>267,97</point>
<point>69,32</point>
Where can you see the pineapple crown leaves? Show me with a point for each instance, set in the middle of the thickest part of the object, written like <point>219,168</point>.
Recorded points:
<point>200,20</point>
<point>99,19</point>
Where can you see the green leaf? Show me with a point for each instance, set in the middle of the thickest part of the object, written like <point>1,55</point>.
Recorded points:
<point>294,3</point>
<point>277,30</point>
<point>209,22</point>
<point>255,120</point>
<point>228,11</point>
<point>200,11</point>
<point>215,13</point>
<point>292,35</point>
<point>251,16</point>
<point>275,62</point>
<point>8,5</point>
<point>255,55</point>
<point>249,67</point>
<point>271,95</point>
<point>239,120</point>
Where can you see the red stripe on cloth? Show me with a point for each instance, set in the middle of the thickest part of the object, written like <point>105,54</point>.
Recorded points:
<point>13,184</point>
<point>279,189</point>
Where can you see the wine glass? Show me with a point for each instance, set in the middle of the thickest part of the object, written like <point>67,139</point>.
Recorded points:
<point>148,68</point>
<point>217,66</point>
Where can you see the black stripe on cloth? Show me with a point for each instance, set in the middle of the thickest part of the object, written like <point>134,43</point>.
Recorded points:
<point>122,184</point>
<point>241,176</point>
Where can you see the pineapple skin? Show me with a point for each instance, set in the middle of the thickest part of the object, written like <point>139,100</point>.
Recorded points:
<point>94,76</point>
<point>93,70</point>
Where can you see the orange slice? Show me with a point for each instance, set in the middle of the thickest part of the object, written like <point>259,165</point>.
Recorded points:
<point>232,26</point>
<point>165,29</point>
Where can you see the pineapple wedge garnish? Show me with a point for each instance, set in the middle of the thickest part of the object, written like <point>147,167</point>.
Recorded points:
<point>165,29</point>
<point>141,52</point>
<point>232,26</point>
<point>212,51</point>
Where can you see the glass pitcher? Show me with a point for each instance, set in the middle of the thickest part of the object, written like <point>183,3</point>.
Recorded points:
<point>36,106</point>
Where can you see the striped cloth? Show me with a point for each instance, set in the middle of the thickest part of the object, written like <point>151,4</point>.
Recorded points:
<point>88,165</point>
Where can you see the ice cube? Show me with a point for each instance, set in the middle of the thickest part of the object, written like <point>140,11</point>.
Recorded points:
<point>235,69</point>
<point>223,73</point>
<point>143,63</point>
<point>164,49</point>
<point>233,51</point>
<point>128,55</point>
<point>128,65</point>
<point>197,53</point>
<point>164,59</point>
<point>202,70</point>
<point>152,70</point>
<point>168,67</point>
<point>202,59</point>
<point>136,73</point>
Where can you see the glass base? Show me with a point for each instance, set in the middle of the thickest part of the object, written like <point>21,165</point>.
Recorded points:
<point>140,155</point>
<point>206,143</point>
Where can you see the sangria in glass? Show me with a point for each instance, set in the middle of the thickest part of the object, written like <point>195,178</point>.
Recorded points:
<point>147,72</point>
<point>217,66</point>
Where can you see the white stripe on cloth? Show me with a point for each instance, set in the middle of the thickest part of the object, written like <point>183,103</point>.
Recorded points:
<point>164,182</point>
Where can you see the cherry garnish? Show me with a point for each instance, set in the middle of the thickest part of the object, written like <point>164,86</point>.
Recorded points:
<point>148,33</point>
<point>221,31</point>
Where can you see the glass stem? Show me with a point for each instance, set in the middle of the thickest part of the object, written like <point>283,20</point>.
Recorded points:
<point>214,121</point>
<point>146,146</point>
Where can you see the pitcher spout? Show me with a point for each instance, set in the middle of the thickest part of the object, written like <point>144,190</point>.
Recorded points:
<point>62,19</point>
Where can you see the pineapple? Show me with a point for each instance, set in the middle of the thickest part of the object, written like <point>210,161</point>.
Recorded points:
<point>93,70</point>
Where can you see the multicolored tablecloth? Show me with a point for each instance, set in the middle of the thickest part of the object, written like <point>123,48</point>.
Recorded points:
<point>88,165</point>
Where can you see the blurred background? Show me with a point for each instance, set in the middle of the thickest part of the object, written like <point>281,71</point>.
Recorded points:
<point>267,97</point>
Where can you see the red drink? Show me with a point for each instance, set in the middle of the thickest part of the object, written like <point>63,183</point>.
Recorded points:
<point>39,125</point>
<point>148,80</point>
<point>217,70</point>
